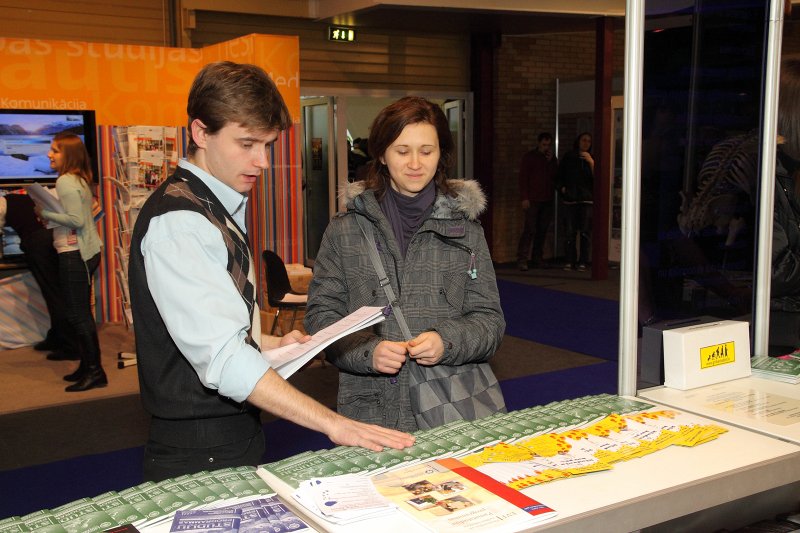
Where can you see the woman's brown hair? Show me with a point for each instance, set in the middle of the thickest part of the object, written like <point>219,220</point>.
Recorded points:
<point>388,126</point>
<point>75,158</point>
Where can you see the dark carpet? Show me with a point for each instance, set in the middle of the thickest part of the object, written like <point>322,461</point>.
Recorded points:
<point>569,321</point>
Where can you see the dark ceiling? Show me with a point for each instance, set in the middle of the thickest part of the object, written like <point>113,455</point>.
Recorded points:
<point>464,20</point>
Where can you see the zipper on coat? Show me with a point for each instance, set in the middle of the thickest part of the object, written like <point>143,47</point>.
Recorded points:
<point>472,270</point>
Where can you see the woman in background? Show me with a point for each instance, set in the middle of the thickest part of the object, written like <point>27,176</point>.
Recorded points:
<point>422,228</point>
<point>78,245</point>
<point>575,184</point>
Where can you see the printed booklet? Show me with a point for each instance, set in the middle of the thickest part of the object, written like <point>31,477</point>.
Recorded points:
<point>447,496</point>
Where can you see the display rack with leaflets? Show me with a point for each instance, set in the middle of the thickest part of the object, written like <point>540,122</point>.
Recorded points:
<point>143,157</point>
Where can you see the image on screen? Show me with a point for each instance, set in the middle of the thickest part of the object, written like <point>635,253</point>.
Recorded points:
<point>25,137</point>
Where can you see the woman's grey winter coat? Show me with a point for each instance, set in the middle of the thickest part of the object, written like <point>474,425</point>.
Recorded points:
<point>433,286</point>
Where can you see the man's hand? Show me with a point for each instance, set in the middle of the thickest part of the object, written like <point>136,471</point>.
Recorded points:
<point>349,432</point>
<point>427,349</point>
<point>389,357</point>
<point>279,397</point>
<point>526,204</point>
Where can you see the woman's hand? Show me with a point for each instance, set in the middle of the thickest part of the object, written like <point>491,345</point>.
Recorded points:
<point>586,156</point>
<point>427,349</point>
<point>389,357</point>
<point>294,336</point>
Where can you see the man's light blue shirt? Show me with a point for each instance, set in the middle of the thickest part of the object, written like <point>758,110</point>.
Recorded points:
<point>185,260</point>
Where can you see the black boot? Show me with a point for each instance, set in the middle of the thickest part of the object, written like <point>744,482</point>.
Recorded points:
<point>76,376</point>
<point>94,377</point>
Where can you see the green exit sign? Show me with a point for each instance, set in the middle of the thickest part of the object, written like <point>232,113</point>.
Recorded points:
<point>341,33</point>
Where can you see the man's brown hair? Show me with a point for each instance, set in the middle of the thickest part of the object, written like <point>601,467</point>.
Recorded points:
<point>239,93</point>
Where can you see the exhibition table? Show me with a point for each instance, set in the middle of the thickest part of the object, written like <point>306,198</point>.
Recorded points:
<point>739,478</point>
<point>651,490</point>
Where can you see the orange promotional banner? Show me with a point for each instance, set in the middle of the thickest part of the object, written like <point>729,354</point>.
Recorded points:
<point>131,84</point>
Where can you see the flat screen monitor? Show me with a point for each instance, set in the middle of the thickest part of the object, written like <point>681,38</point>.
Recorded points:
<point>25,136</point>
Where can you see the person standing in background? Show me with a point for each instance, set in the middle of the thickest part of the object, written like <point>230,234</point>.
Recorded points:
<point>78,245</point>
<point>17,211</point>
<point>537,173</point>
<point>575,184</point>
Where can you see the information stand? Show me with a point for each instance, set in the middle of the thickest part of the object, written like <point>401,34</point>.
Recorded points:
<point>643,492</point>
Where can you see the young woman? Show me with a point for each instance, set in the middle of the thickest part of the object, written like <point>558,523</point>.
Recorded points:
<point>423,228</point>
<point>575,184</point>
<point>78,245</point>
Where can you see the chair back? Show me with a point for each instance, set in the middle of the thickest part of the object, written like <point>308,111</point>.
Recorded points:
<point>278,284</point>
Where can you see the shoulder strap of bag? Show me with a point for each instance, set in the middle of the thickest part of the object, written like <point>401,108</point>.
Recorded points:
<point>382,277</point>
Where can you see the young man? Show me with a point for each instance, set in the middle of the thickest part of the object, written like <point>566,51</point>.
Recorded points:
<point>192,284</point>
<point>536,174</point>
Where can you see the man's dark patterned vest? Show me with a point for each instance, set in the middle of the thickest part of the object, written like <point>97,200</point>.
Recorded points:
<point>170,388</point>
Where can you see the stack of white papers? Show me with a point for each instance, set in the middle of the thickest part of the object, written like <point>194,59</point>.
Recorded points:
<point>288,359</point>
<point>343,499</point>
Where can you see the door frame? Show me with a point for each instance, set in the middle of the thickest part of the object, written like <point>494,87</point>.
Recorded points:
<point>310,102</point>
<point>337,154</point>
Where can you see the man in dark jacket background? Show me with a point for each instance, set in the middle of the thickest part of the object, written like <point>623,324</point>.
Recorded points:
<point>537,173</point>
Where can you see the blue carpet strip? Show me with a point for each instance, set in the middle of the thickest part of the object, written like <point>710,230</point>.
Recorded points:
<point>573,322</point>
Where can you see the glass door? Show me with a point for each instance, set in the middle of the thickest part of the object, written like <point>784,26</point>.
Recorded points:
<point>318,166</point>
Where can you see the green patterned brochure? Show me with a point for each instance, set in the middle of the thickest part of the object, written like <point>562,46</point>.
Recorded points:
<point>348,452</point>
<point>118,508</point>
<point>208,480</point>
<point>200,491</point>
<point>777,368</point>
<point>13,524</point>
<point>248,473</point>
<point>495,427</point>
<point>329,456</point>
<point>293,472</point>
<point>168,501</point>
<point>536,427</point>
<point>142,503</point>
<point>83,517</point>
<point>43,521</point>
<point>515,428</point>
<point>190,499</point>
<point>388,458</point>
<point>438,448</point>
<point>466,435</point>
<point>366,464</point>
<point>235,482</point>
<point>562,421</point>
<point>337,467</point>
<point>420,451</point>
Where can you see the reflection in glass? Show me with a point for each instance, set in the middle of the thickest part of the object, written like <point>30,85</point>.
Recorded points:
<point>784,332</point>
<point>700,152</point>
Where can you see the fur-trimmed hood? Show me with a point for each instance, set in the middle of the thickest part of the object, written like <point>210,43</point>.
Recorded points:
<point>468,199</point>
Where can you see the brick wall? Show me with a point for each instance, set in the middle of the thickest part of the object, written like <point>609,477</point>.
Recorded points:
<point>525,104</point>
